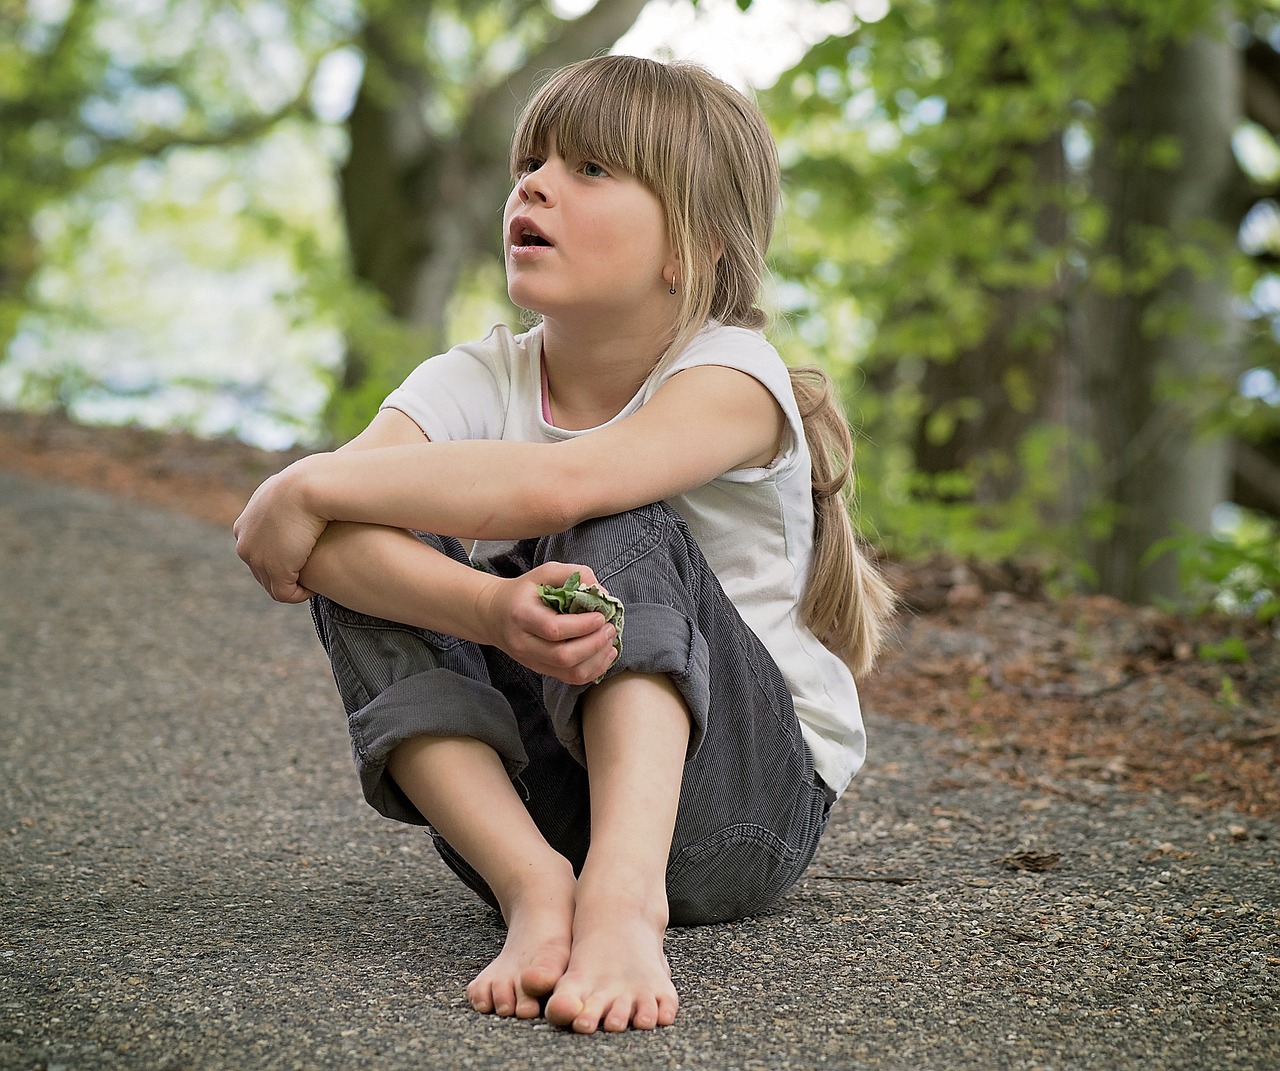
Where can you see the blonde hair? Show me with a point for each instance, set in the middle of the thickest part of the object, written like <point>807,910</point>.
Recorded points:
<point>708,155</point>
<point>850,607</point>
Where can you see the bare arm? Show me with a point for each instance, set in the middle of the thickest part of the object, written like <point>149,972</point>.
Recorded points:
<point>389,573</point>
<point>272,519</point>
<point>704,422</point>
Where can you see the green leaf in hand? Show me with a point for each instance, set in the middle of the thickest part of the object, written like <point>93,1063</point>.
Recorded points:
<point>572,598</point>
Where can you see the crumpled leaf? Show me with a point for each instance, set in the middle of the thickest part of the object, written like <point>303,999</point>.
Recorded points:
<point>572,598</point>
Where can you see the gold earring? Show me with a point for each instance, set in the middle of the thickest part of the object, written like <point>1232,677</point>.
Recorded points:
<point>673,283</point>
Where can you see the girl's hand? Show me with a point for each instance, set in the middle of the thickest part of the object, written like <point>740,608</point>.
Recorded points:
<point>574,648</point>
<point>276,534</point>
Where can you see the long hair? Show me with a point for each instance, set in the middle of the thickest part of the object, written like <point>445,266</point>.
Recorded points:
<point>847,603</point>
<point>707,153</point>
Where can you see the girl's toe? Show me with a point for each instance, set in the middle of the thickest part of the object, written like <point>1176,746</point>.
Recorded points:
<point>480,996</point>
<point>618,1016</point>
<point>646,1014</point>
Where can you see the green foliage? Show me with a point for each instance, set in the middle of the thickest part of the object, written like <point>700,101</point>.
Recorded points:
<point>1238,572</point>
<point>937,176</point>
<point>1227,649</point>
<point>572,598</point>
<point>88,91</point>
<point>937,168</point>
<point>101,106</point>
<point>915,514</point>
<point>172,292</point>
<point>908,151</point>
<point>1229,700</point>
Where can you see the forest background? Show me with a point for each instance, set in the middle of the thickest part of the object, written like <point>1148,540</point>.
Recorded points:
<point>1035,244</point>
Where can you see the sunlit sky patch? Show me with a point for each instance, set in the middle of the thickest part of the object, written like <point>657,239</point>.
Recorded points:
<point>747,48</point>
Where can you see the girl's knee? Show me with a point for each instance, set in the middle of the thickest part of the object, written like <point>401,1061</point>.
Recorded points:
<point>610,543</point>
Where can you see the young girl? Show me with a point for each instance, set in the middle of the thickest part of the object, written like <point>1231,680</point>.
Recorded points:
<point>645,435</point>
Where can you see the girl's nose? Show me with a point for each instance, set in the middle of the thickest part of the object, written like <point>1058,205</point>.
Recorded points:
<point>535,187</point>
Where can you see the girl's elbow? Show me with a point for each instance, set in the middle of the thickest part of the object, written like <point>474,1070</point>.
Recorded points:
<point>557,510</point>
<point>558,500</point>
<point>554,494</point>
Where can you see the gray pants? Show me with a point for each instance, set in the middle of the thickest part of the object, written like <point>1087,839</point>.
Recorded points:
<point>751,809</point>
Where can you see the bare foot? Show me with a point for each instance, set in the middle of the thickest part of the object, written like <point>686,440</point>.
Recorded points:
<point>618,975</point>
<point>535,953</point>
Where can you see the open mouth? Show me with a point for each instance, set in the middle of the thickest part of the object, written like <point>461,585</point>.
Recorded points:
<point>524,234</point>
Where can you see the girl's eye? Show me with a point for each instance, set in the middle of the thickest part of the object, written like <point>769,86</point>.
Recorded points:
<point>594,170</point>
<point>528,164</point>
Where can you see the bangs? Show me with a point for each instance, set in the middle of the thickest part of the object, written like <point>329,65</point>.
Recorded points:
<point>700,146</point>
<point>619,115</point>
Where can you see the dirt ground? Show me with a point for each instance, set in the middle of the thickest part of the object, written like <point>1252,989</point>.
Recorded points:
<point>1048,692</point>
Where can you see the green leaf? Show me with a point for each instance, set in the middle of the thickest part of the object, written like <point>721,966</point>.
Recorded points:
<point>572,598</point>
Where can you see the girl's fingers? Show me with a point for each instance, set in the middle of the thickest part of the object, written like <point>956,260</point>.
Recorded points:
<point>557,573</point>
<point>582,660</point>
<point>574,648</point>
<point>570,653</point>
<point>598,664</point>
<point>561,628</point>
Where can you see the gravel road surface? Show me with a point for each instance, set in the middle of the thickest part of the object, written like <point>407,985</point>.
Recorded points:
<point>190,880</point>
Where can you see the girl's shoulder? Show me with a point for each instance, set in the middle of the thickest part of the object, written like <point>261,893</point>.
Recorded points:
<point>740,348</point>
<point>466,391</point>
<point>502,358</point>
<point>725,339</point>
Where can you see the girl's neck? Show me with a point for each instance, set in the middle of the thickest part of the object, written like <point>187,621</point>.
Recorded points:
<point>592,375</point>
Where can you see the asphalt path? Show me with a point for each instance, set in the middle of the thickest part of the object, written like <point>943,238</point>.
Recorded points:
<point>190,880</point>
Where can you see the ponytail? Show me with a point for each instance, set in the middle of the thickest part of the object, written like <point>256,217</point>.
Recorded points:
<point>847,603</point>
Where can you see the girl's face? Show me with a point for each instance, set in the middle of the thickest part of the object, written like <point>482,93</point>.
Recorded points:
<point>585,242</point>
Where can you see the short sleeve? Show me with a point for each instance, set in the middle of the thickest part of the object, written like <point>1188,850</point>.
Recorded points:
<point>749,352</point>
<point>462,393</point>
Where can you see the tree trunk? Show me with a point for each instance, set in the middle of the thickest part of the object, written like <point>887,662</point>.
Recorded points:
<point>1009,378</point>
<point>1144,342</point>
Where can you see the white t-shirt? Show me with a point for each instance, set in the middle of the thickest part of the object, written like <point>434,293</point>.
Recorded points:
<point>754,526</point>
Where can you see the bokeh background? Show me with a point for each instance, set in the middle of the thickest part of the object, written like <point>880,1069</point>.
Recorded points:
<point>1036,244</point>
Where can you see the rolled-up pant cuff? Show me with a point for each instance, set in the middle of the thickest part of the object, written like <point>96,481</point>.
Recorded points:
<point>656,639</point>
<point>438,703</point>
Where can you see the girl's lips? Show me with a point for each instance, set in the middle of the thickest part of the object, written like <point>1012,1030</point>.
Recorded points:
<point>525,234</point>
